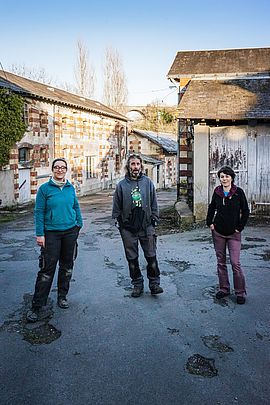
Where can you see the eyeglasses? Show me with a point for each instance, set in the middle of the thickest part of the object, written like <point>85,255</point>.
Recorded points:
<point>60,168</point>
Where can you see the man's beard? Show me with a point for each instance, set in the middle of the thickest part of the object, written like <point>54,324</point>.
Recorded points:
<point>135,174</point>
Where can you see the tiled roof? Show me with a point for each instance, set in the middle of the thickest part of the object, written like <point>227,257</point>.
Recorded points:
<point>226,99</point>
<point>161,139</point>
<point>227,61</point>
<point>31,88</point>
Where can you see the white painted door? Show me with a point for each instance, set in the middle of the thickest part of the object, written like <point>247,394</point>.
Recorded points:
<point>24,186</point>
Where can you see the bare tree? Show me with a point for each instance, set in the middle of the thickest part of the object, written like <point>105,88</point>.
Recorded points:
<point>115,92</point>
<point>84,72</point>
<point>38,74</point>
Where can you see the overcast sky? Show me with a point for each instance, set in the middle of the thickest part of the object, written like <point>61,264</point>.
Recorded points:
<point>147,35</point>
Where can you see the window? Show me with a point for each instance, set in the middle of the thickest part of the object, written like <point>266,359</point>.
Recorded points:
<point>90,167</point>
<point>24,155</point>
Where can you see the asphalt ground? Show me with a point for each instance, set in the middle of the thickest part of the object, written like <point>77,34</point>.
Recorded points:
<point>179,348</point>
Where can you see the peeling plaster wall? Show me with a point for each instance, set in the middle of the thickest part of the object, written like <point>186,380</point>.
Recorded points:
<point>200,171</point>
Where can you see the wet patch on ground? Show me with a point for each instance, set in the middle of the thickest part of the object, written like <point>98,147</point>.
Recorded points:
<point>180,265</point>
<point>173,331</point>
<point>200,365</point>
<point>207,239</point>
<point>213,342</point>
<point>17,249</point>
<point>262,331</point>
<point>40,332</point>
<point>245,247</point>
<point>90,242</point>
<point>111,264</point>
<point>210,292</point>
<point>123,282</point>
<point>167,273</point>
<point>265,256</point>
<point>248,239</point>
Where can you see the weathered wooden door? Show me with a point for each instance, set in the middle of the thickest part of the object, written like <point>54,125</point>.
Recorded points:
<point>247,151</point>
<point>24,186</point>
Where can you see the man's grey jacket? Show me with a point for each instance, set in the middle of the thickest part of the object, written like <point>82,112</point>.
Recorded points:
<point>122,200</point>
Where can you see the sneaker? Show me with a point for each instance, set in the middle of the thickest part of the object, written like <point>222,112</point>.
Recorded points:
<point>137,291</point>
<point>240,299</point>
<point>62,303</point>
<point>156,289</point>
<point>221,294</point>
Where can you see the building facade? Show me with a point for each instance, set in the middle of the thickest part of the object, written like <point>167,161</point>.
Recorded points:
<point>91,136</point>
<point>225,95</point>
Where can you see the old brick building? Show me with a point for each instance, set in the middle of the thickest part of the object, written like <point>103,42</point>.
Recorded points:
<point>91,136</point>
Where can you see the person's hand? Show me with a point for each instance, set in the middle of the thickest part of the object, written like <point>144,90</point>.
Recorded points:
<point>41,241</point>
<point>212,227</point>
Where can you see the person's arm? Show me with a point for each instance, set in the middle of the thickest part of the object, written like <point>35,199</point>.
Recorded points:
<point>117,203</point>
<point>40,207</point>
<point>244,211</point>
<point>211,212</point>
<point>154,204</point>
<point>77,209</point>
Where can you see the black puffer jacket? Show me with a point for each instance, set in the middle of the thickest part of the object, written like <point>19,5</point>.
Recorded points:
<point>228,213</point>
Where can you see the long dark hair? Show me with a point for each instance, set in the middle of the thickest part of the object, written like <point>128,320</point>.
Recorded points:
<point>133,156</point>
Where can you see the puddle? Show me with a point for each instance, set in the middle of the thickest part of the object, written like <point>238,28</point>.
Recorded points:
<point>173,331</point>
<point>179,265</point>
<point>112,265</point>
<point>202,239</point>
<point>213,342</point>
<point>41,332</point>
<point>202,366</point>
<point>255,239</point>
<point>265,256</point>
<point>123,281</point>
<point>210,292</point>
<point>245,247</point>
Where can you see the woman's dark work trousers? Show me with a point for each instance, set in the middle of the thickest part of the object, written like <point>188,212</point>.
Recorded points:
<point>153,273</point>
<point>60,246</point>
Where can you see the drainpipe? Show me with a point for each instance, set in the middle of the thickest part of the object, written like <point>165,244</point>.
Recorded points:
<point>178,148</point>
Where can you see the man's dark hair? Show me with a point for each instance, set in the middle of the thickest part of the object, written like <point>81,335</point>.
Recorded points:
<point>61,160</point>
<point>227,170</point>
<point>133,156</point>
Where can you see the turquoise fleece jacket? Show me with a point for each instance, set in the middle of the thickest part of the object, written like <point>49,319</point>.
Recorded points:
<point>56,209</point>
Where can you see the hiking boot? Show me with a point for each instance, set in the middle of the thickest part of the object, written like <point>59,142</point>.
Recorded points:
<point>137,291</point>
<point>62,303</point>
<point>32,315</point>
<point>156,289</point>
<point>38,314</point>
<point>221,294</point>
<point>240,299</point>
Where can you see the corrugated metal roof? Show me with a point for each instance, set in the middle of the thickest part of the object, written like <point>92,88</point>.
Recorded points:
<point>227,61</point>
<point>31,88</point>
<point>161,139</point>
<point>150,159</point>
<point>226,99</point>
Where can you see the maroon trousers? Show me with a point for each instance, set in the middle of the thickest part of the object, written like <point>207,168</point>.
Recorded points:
<point>234,246</point>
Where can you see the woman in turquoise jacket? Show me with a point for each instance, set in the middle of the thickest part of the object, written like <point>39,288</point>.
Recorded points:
<point>58,221</point>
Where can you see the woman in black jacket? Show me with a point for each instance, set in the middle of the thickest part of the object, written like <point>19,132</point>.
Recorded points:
<point>227,216</point>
